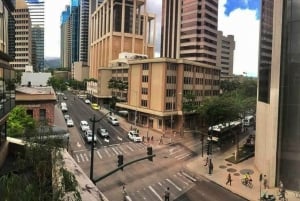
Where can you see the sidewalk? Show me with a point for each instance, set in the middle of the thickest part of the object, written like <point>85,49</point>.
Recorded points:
<point>221,170</point>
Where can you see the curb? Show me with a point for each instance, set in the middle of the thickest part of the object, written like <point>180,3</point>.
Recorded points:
<point>207,178</point>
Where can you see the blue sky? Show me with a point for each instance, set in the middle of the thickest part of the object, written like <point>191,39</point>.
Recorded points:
<point>236,17</point>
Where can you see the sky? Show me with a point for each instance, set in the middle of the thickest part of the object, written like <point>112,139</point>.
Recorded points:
<point>236,17</point>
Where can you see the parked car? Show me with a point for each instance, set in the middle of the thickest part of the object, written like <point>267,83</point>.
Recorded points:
<point>102,132</point>
<point>70,122</point>
<point>66,116</point>
<point>65,98</point>
<point>89,136</point>
<point>84,125</point>
<point>95,106</point>
<point>87,101</point>
<point>113,120</point>
<point>134,136</point>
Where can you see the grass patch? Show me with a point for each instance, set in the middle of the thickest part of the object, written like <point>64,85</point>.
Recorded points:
<point>244,154</point>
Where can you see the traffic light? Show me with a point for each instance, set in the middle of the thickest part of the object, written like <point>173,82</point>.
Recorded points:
<point>149,153</point>
<point>120,160</point>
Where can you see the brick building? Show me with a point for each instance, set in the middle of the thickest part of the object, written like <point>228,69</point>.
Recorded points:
<point>39,102</point>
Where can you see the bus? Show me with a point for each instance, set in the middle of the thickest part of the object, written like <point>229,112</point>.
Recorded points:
<point>249,120</point>
<point>221,132</point>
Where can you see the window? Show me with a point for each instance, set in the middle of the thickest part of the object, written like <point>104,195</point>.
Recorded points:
<point>145,91</point>
<point>144,78</point>
<point>144,103</point>
<point>42,114</point>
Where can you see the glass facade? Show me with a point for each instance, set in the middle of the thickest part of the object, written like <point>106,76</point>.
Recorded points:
<point>37,15</point>
<point>288,169</point>
<point>265,48</point>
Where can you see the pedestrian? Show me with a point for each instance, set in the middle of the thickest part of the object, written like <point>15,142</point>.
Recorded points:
<point>265,182</point>
<point>143,138</point>
<point>211,167</point>
<point>206,161</point>
<point>228,179</point>
<point>280,186</point>
<point>124,192</point>
<point>152,138</point>
<point>167,194</point>
<point>161,140</point>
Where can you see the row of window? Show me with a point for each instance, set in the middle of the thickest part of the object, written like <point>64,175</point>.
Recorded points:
<point>190,80</point>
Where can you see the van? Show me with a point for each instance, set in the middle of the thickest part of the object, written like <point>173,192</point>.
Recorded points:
<point>113,120</point>
<point>249,120</point>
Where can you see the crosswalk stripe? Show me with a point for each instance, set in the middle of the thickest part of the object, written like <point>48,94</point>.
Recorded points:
<point>115,151</point>
<point>86,157</point>
<point>82,158</point>
<point>107,152</point>
<point>171,182</point>
<point>129,148</point>
<point>183,156</point>
<point>78,159</point>
<point>99,155</point>
<point>178,150</point>
<point>155,193</point>
<point>122,149</point>
<point>178,175</point>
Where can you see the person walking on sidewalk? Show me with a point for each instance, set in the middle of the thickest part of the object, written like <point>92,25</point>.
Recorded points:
<point>228,179</point>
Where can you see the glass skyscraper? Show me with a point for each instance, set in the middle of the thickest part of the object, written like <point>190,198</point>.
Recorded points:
<point>37,15</point>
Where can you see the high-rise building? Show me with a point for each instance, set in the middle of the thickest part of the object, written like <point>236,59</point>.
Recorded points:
<point>23,36</point>
<point>74,30</point>
<point>225,49</point>
<point>84,30</point>
<point>37,15</point>
<point>65,39</point>
<point>189,30</point>
<point>118,26</point>
<point>277,137</point>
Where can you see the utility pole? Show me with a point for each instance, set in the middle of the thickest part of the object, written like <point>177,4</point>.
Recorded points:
<point>94,120</point>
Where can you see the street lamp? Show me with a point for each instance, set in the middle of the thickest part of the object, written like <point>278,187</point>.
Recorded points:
<point>94,120</point>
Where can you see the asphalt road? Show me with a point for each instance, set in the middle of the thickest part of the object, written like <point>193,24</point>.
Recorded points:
<point>144,180</point>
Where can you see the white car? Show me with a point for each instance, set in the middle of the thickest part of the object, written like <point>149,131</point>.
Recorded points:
<point>89,136</point>
<point>70,122</point>
<point>134,136</point>
<point>102,132</point>
<point>84,125</point>
<point>87,101</point>
<point>66,116</point>
<point>113,120</point>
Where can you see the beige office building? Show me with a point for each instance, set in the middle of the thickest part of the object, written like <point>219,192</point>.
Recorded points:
<point>157,89</point>
<point>23,43</point>
<point>225,50</point>
<point>65,40</point>
<point>115,27</point>
<point>189,30</point>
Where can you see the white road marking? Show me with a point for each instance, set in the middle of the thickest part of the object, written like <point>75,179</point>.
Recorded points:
<point>178,150</point>
<point>107,152</point>
<point>119,138</point>
<point>86,157</point>
<point>129,148</point>
<point>189,177</point>
<point>106,140</point>
<point>155,193</point>
<point>122,149</point>
<point>176,175</point>
<point>78,159</point>
<point>171,182</point>
<point>99,155</point>
<point>182,156</point>
<point>82,158</point>
<point>115,151</point>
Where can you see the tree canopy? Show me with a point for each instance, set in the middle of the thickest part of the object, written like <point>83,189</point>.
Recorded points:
<point>19,122</point>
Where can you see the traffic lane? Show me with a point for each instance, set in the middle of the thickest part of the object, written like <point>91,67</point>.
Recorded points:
<point>76,140</point>
<point>208,191</point>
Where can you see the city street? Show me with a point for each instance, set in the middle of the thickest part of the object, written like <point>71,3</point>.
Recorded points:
<point>144,180</point>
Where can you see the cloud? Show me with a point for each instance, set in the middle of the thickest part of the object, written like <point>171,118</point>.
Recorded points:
<point>53,9</point>
<point>244,25</point>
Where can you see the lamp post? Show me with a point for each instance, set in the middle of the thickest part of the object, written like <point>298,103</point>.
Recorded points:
<point>94,120</point>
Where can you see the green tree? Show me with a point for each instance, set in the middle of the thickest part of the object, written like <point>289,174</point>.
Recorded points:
<point>19,122</point>
<point>57,84</point>
<point>227,85</point>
